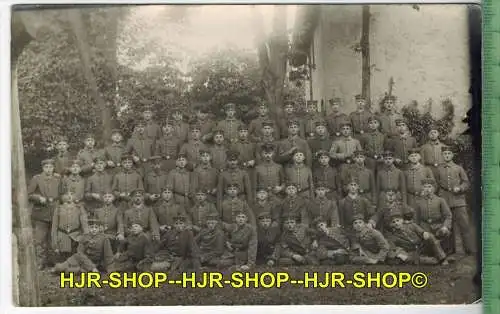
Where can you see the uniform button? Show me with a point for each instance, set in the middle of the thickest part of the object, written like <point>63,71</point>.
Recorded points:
<point>429,220</point>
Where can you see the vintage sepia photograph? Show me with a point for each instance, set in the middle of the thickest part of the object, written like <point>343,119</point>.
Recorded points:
<point>243,155</point>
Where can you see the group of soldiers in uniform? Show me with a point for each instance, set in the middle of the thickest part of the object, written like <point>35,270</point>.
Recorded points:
<point>309,189</point>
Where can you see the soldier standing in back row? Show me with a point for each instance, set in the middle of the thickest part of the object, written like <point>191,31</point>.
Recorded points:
<point>114,151</point>
<point>62,161</point>
<point>141,148</point>
<point>373,142</point>
<point>218,150</point>
<point>181,128</point>
<point>233,174</point>
<point>168,146</point>
<point>336,118</point>
<point>321,141</point>
<point>431,153</point>
<point>400,144</point>
<point>230,123</point>
<point>288,146</point>
<point>290,115</point>
<point>389,116</point>
<point>152,129</point>
<point>97,184</point>
<point>192,148</point>
<point>266,139</point>
<point>87,155</point>
<point>343,148</point>
<point>205,177</point>
<point>453,183</point>
<point>311,118</point>
<point>179,181</point>
<point>126,181</point>
<point>43,192</point>
<point>255,127</point>
<point>359,118</point>
<point>268,174</point>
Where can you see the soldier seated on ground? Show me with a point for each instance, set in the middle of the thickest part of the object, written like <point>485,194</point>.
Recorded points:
<point>135,253</point>
<point>211,241</point>
<point>294,245</point>
<point>368,245</point>
<point>267,237</point>
<point>330,245</point>
<point>177,249</point>
<point>412,244</point>
<point>241,246</point>
<point>93,254</point>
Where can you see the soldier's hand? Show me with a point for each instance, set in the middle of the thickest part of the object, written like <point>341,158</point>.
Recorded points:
<point>244,267</point>
<point>277,189</point>
<point>315,244</point>
<point>123,194</point>
<point>111,163</point>
<point>155,237</point>
<point>95,270</point>
<point>270,263</point>
<point>274,224</point>
<point>372,261</point>
<point>96,196</point>
<point>444,231</point>
<point>397,160</point>
<point>371,225</point>
<point>163,228</point>
<point>456,189</point>
<point>251,163</point>
<point>120,237</point>
<point>56,251</point>
<point>298,258</point>
<point>42,200</point>
<point>402,256</point>
<point>426,235</point>
<point>229,246</point>
<point>136,159</point>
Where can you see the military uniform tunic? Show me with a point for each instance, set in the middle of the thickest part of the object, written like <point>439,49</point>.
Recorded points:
<point>388,122</point>
<point>414,176</point>
<point>74,184</point>
<point>325,208</point>
<point>230,128</point>
<point>359,120</point>
<point>218,153</point>
<point>62,163</point>
<point>168,147</point>
<point>372,243</point>
<point>235,176</point>
<point>373,142</point>
<point>86,157</point>
<point>211,245</point>
<point>179,180</point>
<point>47,187</point>
<point>350,206</point>
<point>166,211</point>
<point>68,222</point>
<point>390,178</point>
<point>200,211</point>
<point>301,176</point>
<point>144,216</point>
<point>290,142</point>
<point>432,213</point>
<point>192,150</point>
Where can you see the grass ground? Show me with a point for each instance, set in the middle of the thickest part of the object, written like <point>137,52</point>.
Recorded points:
<point>451,284</point>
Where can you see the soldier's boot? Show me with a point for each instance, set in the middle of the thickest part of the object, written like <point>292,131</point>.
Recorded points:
<point>41,256</point>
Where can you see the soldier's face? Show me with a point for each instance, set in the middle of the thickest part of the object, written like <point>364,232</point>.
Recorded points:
<point>447,156</point>
<point>265,222</point>
<point>232,191</point>
<point>291,190</point>
<point>267,130</point>
<point>181,162</point>
<point>240,219</point>
<point>353,187</point>
<point>397,223</point>
<point>127,164</point>
<point>205,158</point>
<point>75,169</point>
<point>293,129</point>
<point>139,129</point>
<point>428,189</point>
<point>201,115</point>
<point>243,133</point>
<point>359,159</point>
<point>108,198</point>
<point>68,197</point>
<point>433,135</point>
<point>48,168</point>
<point>196,134</point>
<point>321,130</point>
<point>177,116</point>
<point>360,104</point>
<point>89,142</point>
<point>219,139</point>
<point>290,224</point>
<point>168,129</point>
<point>346,130</point>
<point>321,192</point>
<point>373,125</point>
<point>311,108</point>
<point>401,128</point>
<point>167,195</point>
<point>233,163</point>
<point>138,198</point>
<point>179,225</point>
<point>116,137</point>
<point>147,115</point>
<point>391,197</point>
<point>263,110</point>
<point>268,155</point>
<point>211,224</point>
<point>388,161</point>
<point>62,146</point>
<point>135,229</point>
<point>289,109</point>
<point>230,112</point>
<point>324,160</point>
<point>389,104</point>
<point>299,157</point>
<point>156,165</point>
<point>335,107</point>
<point>262,195</point>
<point>94,229</point>
<point>201,197</point>
<point>358,225</point>
<point>414,158</point>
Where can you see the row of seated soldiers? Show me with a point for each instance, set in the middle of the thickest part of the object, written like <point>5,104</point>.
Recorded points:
<point>282,236</point>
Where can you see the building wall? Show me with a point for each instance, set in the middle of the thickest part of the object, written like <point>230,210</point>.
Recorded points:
<point>425,51</point>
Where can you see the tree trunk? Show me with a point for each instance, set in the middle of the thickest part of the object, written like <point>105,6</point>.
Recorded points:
<point>273,53</point>
<point>80,32</point>
<point>365,51</point>
<point>26,276</point>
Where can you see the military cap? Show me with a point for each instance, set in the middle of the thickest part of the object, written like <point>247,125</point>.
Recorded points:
<point>137,192</point>
<point>242,127</point>
<point>288,103</point>
<point>233,185</point>
<point>320,123</point>
<point>212,216</point>
<point>428,181</point>
<point>116,131</point>
<point>434,127</point>
<point>108,192</point>
<point>446,149</point>
<point>373,118</point>
<point>92,221</point>
<point>395,214</point>
<point>229,106</point>
<point>299,151</point>
<point>181,155</point>
<point>320,185</point>
<point>268,123</point>
<point>195,126</point>
<point>357,217</point>
<point>169,122</point>
<point>47,161</point>
<point>232,155</point>
<point>293,123</point>
<point>88,135</point>
<point>312,103</point>
<point>353,179</point>
<point>240,212</point>
<point>268,147</point>
<point>263,215</point>
<point>200,190</point>
<point>390,97</point>
<point>76,162</point>
<point>61,138</point>
<point>155,158</point>
<point>204,151</point>
<point>335,101</point>
<point>166,188</point>
<point>140,123</point>
<point>290,216</point>
<point>290,183</point>
<point>413,151</point>
<point>400,121</point>
<point>321,153</point>
<point>261,188</point>
<point>180,217</point>
<point>391,190</point>
<point>345,123</point>
<point>217,132</point>
<point>359,97</point>
<point>147,108</point>
<point>263,104</point>
<point>388,153</point>
<point>359,153</point>
<point>203,109</point>
<point>126,156</point>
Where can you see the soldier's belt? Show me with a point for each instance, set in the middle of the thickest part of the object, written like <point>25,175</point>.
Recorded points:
<point>414,193</point>
<point>303,190</point>
<point>361,191</point>
<point>449,190</point>
<point>432,221</point>
<point>67,231</point>
<point>182,194</point>
<point>431,165</point>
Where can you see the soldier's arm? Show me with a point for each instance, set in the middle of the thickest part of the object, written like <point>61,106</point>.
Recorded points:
<point>341,213</point>
<point>282,176</point>
<point>139,182</point>
<point>446,213</point>
<point>248,188</point>
<point>402,184</point>
<point>382,244</point>
<point>373,188</point>
<point>311,183</point>
<point>88,187</point>
<point>376,217</point>
<point>220,192</point>
<point>153,224</point>
<point>333,151</point>
<point>429,174</point>
<point>54,229</point>
<point>465,184</point>
<point>417,228</point>
<point>334,214</point>
<point>252,247</point>
<point>309,156</point>
<point>32,188</point>
<point>114,185</point>
<point>84,222</point>
<point>107,254</point>
<point>358,145</point>
<point>408,212</point>
<point>120,225</point>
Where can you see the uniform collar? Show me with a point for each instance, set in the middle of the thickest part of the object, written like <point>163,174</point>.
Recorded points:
<point>416,166</point>
<point>114,144</point>
<point>449,164</point>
